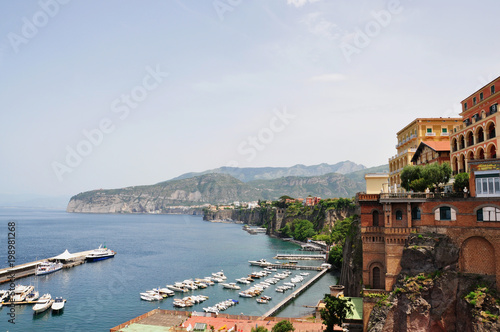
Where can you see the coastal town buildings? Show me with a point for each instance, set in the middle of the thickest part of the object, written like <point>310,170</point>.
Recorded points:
<point>475,137</point>
<point>432,152</point>
<point>409,138</point>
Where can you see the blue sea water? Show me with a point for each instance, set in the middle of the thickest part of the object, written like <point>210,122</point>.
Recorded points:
<point>152,251</point>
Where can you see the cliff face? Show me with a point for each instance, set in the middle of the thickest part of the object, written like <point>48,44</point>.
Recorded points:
<point>255,217</point>
<point>351,275</point>
<point>431,295</point>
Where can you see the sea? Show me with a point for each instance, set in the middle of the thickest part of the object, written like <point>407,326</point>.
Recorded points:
<point>152,251</point>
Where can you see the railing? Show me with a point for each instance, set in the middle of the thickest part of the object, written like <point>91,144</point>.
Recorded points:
<point>368,197</point>
<point>398,230</point>
<point>372,229</point>
<point>445,134</point>
<point>430,134</point>
<point>419,195</point>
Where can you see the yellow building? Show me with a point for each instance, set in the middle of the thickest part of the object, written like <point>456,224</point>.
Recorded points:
<point>376,183</point>
<point>420,129</point>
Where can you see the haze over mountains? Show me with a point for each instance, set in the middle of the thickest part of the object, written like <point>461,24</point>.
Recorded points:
<point>228,184</point>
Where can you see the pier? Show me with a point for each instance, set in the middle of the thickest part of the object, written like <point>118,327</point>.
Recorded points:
<point>292,296</point>
<point>294,267</point>
<point>28,269</point>
<point>299,256</point>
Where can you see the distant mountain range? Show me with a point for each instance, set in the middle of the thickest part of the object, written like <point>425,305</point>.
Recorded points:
<point>247,174</point>
<point>217,187</point>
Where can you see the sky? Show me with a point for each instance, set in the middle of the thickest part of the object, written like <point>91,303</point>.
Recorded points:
<point>109,94</point>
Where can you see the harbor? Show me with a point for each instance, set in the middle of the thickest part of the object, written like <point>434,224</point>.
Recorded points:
<point>28,269</point>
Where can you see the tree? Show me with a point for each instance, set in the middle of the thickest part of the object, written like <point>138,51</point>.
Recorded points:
<point>335,311</point>
<point>286,231</point>
<point>303,229</point>
<point>336,255</point>
<point>437,174</point>
<point>283,326</point>
<point>259,329</point>
<point>461,181</point>
<point>409,174</point>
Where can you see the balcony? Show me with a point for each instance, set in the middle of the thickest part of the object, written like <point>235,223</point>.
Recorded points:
<point>372,229</point>
<point>368,197</point>
<point>445,134</point>
<point>430,134</point>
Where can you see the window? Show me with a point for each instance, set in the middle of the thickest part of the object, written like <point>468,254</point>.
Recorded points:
<point>487,183</point>
<point>415,214</point>
<point>481,96</point>
<point>429,130</point>
<point>493,108</point>
<point>399,215</point>
<point>492,89</point>
<point>444,130</point>
<point>489,213</point>
<point>474,101</point>
<point>465,106</point>
<point>445,213</point>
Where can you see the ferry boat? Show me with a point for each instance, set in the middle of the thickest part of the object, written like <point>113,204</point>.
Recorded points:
<point>48,267</point>
<point>100,253</point>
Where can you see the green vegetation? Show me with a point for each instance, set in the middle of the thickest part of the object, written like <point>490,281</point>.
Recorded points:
<point>461,181</point>
<point>283,326</point>
<point>335,312</point>
<point>302,229</point>
<point>484,301</point>
<point>419,178</point>
<point>259,329</point>
<point>338,235</point>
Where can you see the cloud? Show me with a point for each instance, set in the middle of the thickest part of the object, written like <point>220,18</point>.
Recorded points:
<point>318,25</point>
<point>300,3</point>
<point>334,77</point>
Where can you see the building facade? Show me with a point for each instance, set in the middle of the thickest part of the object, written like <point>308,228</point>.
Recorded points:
<point>475,138</point>
<point>409,138</point>
<point>432,152</point>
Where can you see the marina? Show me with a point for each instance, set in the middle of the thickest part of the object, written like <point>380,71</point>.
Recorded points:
<point>168,256</point>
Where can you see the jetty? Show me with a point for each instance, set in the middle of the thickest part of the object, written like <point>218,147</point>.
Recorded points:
<point>28,269</point>
<point>293,295</point>
<point>300,257</point>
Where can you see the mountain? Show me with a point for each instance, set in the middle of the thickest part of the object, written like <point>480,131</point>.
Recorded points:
<point>213,189</point>
<point>247,174</point>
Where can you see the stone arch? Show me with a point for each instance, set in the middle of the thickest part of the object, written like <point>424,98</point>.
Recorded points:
<point>477,255</point>
<point>470,155</point>
<point>491,151</point>
<point>461,167</point>
<point>375,218</point>
<point>454,146</point>
<point>469,138</point>
<point>377,275</point>
<point>461,142</point>
<point>454,164</point>
<point>480,153</point>
<point>479,134</point>
<point>490,130</point>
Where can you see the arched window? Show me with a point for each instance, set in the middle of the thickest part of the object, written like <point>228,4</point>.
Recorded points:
<point>470,139</point>
<point>399,215</point>
<point>376,278</point>
<point>491,130</point>
<point>375,218</point>
<point>480,135</point>
<point>415,213</point>
<point>488,213</point>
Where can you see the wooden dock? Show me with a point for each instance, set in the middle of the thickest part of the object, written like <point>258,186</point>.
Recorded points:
<point>28,269</point>
<point>294,267</point>
<point>292,296</point>
<point>299,257</point>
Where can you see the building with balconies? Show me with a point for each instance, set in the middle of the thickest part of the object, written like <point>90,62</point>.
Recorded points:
<point>410,137</point>
<point>432,152</point>
<point>475,138</point>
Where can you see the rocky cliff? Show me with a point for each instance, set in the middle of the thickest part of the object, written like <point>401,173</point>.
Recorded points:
<point>351,275</point>
<point>431,295</point>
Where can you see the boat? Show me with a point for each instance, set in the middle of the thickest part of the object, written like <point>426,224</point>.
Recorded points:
<point>219,275</point>
<point>262,301</point>
<point>260,262</point>
<point>177,288</point>
<point>165,292</point>
<point>32,296</point>
<point>243,281</point>
<point>43,304</point>
<point>48,267</point>
<point>58,304</point>
<point>147,297</point>
<point>231,285</point>
<point>100,253</point>
<point>20,293</point>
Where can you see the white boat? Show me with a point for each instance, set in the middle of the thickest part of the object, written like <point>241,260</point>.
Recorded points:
<point>147,297</point>
<point>262,301</point>
<point>219,275</point>
<point>304,274</point>
<point>100,253</point>
<point>48,267</point>
<point>260,262</point>
<point>58,304</point>
<point>245,294</point>
<point>32,296</point>
<point>243,281</point>
<point>231,285</point>
<point>177,288</point>
<point>20,293</point>
<point>43,303</point>
<point>4,295</point>
<point>166,292</point>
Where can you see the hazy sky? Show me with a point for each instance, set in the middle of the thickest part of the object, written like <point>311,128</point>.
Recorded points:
<point>107,94</point>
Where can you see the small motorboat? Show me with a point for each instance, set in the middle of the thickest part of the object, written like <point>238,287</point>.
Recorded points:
<point>262,301</point>
<point>43,304</point>
<point>33,296</point>
<point>58,304</point>
<point>231,285</point>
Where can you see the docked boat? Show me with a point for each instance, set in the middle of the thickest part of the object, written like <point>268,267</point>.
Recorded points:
<point>100,253</point>
<point>178,288</point>
<point>20,293</point>
<point>48,267</point>
<point>165,292</point>
<point>58,304</point>
<point>147,297</point>
<point>243,281</point>
<point>262,301</point>
<point>231,285</point>
<point>219,275</point>
<point>32,296</point>
<point>260,262</point>
<point>43,304</point>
